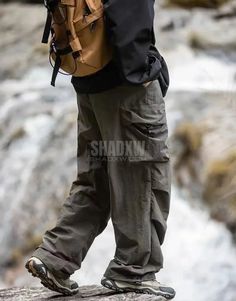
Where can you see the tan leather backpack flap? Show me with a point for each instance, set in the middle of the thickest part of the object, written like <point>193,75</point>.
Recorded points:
<point>80,25</point>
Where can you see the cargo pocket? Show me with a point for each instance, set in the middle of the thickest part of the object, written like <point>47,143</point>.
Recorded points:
<point>144,119</point>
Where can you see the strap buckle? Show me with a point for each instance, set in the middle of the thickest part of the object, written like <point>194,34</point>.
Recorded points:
<point>53,46</point>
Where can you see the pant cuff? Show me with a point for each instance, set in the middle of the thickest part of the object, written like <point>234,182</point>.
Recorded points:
<point>55,264</point>
<point>131,279</point>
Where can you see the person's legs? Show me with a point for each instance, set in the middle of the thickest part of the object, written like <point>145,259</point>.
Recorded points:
<point>86,211</point>
<point>139,187</point>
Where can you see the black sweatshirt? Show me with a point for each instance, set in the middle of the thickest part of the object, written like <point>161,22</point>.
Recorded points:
<point>103,80</point>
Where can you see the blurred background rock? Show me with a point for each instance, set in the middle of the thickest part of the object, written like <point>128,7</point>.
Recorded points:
<point>38,146</point>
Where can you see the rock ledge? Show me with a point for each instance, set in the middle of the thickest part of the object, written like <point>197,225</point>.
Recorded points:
<point>87,293</point>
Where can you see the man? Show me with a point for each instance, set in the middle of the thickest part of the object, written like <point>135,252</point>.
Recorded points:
<point>123,164</point>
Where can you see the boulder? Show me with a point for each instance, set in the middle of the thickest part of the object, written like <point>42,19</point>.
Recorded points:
<point>204,153</point>
<point>220,190</point>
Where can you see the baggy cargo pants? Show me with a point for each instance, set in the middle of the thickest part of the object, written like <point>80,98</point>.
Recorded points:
<point>123,173</point>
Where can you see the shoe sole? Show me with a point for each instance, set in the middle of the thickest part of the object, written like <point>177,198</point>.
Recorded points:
<point>38,272</point>
<point>110,284</point>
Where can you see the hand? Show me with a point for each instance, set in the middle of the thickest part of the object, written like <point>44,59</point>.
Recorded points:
<point>147,84</point>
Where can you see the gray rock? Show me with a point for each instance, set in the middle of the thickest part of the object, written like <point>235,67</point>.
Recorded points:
<point>204,149</point>
<point>39,126</point>
<point>21,1</point>
<point>87,293</point>
<point>196,3</point>
<point>21,28</point>
<point>203,30</point>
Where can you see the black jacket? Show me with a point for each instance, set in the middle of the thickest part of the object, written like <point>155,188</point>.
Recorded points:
<point>136,59</point>
<point>130,30</point>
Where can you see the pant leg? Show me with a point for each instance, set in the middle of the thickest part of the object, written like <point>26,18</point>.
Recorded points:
<point>86,211</point>
<point>139,189</point>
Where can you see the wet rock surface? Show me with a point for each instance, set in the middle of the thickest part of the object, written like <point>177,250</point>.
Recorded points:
<point>87,293</point>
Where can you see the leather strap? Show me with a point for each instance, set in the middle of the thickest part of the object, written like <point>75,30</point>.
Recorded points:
<point>75,45</point>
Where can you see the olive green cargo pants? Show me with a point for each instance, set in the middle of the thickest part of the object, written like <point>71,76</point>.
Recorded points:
<point>123,173</point>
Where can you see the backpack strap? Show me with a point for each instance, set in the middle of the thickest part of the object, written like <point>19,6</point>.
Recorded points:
<point>75,45</point>
<point>75,42</point>
<point>56,69</point>
<point>51,6</point>
<point>47,28</point>
<point>58,53</point>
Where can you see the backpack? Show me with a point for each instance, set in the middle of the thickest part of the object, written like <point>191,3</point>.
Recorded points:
<point>79,44</point>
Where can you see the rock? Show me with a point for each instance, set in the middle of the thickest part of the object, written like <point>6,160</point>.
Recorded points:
<point>21,1</point>
<point>204,153</point>
<point>226,11</point>
<point>39,129</point>
<point>201,29</point>
<point>219,190</point>
<point>189,138</point>
<point>197,3</point>
<point>87,293</point>
<point>211,35</point>
<point>20,44</point>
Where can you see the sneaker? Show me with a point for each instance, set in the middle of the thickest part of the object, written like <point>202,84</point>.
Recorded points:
<point>152,287</point>
<point>38,269</point>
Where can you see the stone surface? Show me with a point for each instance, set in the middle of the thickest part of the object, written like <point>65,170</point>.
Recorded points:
<point>201,29</point>
<point>204,152</point>
<point>87,293</point>
<point>21,28</point>
<point>197,3</point>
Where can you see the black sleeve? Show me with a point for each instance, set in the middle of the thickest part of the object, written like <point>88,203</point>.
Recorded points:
<point>130,30</point>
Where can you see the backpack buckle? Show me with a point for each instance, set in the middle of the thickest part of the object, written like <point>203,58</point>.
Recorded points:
<point>53,47</point>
